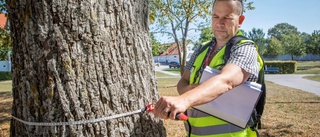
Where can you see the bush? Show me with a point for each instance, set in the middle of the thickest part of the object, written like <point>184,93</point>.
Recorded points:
<point>5,76</point>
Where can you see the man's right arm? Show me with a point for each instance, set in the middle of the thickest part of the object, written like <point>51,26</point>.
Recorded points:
<point>183,84</point>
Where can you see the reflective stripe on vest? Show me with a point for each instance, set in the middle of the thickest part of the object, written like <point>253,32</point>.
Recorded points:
<point>202,128</point>
<point>220,129</point>
<point>205,125</point>
<point>245,133</point>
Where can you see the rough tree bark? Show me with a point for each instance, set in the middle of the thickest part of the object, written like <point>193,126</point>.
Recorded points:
<point>82,59</point>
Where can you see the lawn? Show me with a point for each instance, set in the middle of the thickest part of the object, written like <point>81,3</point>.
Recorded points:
<point>5,86</point>
<point>5,107</point>
<point>314,77</point>
<point>308,67</point>
<point>173,70</point>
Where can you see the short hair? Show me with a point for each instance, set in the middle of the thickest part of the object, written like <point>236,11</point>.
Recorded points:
<point>240,7</point>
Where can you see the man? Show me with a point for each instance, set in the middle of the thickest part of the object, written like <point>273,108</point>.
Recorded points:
<point>242,66</point>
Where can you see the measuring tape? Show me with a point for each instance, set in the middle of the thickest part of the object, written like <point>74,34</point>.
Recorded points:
<point>148,108</point>
<point>77,122</point>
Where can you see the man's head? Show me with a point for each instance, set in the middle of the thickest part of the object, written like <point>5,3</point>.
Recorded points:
<point>226,18</point>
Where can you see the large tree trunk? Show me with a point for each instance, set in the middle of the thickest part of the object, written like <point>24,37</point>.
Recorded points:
<point>80,60</point>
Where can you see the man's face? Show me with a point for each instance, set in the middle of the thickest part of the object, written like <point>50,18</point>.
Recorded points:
<point>225,20</point>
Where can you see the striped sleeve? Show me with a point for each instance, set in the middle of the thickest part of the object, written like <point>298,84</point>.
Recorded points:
<point>245,56</point>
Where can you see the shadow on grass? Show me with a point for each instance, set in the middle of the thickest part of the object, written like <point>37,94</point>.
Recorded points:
<point>5,94</point>
<point>4,119</point>
<point>177,70</point>
<point>5,110</point>
<point>307,67</point>
<point>281,129</point>
<point>5,106</point>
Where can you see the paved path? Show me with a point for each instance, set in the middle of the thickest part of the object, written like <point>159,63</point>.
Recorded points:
<point>161,68</point>
<point>7,81</point>
<point>290,80</point>
<point>295,81</point>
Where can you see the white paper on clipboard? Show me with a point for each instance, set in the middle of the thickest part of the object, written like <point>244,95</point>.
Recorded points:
<point>234,106</point>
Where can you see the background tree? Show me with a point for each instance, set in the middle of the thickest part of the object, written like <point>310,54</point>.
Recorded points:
<point>313,43</point>
<point>2,6</point>
<point>278,45</point>
<point>5,41</point>
<point>206,35</point>
<point>293,45</point>
<point>282,29</point>
<point>257,35</point>
<point>274,47</point>
<point>156,47</point>
<point>174,17</point>
<point>81,60</point>
<point>5,44</point>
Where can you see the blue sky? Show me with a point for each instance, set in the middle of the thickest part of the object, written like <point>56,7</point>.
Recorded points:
<point>303,14</point>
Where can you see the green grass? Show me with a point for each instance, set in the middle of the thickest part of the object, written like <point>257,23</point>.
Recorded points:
<point>160,74</point>
<point>173,70</point>
<point>308,67</point>
<point>165,80</point>
<point>5,86</point>
<point>314,78</point>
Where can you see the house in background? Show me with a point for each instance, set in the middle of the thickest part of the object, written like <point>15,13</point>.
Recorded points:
<point>3,21</point>
<point>172,53</point>
<point>5,66</point>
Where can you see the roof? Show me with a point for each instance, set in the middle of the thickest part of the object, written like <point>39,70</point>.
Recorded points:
<point>172,50</point>
<point>3,21</point>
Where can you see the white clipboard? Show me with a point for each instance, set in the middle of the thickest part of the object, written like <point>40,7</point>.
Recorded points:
<point>234,106</point>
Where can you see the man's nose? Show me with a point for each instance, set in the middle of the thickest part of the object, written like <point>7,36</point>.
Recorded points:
<point>220,22</point>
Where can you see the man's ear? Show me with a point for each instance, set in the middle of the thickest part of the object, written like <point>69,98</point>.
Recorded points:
<point>241,19</point>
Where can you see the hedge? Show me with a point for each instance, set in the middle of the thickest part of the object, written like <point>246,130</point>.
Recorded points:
<point>5,76</point>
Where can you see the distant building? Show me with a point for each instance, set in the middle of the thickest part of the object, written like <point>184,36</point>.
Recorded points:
<point>3,21</point>
<point>172,53</point>
<point>5,66</point>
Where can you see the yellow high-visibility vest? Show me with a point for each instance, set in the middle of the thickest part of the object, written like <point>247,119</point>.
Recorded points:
<point>205,125</point>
